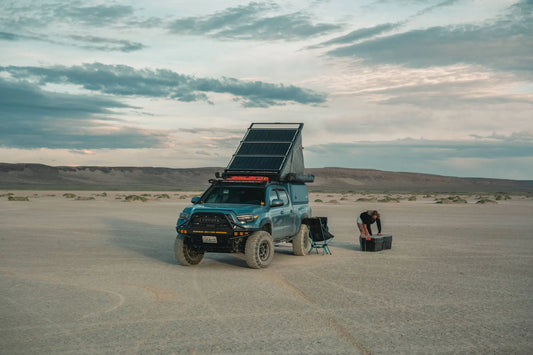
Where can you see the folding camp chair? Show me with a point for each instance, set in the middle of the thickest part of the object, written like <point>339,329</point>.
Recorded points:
<point>319,234</point>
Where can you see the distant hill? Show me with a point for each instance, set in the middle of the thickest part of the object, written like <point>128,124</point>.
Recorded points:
<point>44,177</point>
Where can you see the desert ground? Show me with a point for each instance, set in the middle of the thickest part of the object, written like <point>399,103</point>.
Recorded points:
<point>81,275</point>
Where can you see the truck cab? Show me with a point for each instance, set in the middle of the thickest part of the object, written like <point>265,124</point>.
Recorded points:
<point>252,205</point>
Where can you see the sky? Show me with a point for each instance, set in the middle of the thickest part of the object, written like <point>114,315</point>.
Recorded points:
<point>432,86</point>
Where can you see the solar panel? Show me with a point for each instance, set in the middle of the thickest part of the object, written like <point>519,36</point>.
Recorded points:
<point>243,163</point>
<point>264,149</point>
<point>270,135</point>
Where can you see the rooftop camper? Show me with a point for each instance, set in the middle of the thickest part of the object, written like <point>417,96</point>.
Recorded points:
<point>260,199</point>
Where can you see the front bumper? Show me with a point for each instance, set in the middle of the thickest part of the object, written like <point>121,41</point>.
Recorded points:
<point>226,241</point>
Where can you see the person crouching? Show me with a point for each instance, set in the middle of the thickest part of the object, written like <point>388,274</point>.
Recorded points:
<point>364,222</point>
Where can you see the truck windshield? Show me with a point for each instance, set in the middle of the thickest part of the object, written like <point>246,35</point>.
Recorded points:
<point>235,194</point>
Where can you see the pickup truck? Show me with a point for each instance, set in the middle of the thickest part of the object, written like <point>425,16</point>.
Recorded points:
<point>244,214</point>
<point>260,199</point>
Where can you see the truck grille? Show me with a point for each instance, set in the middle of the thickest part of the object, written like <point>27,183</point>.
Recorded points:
<point>209,221</point>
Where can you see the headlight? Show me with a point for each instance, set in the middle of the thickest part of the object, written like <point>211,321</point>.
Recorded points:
<point>246,218</point>
<point>184,215</point>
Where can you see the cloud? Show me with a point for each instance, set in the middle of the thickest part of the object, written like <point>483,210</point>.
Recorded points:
<point>360,34</point>
<point>504,44</point>
<point>252,22</point>
<point>369,32</point>
<point>7,36</point>
<point>474,157</point>
<point>33,118</point>
<point>40,21</point>
<point>44,14</point>
<point>86,42</point>
<point>106,44</point>
<point>92,15</point>
<point>127,81</point>
<point>438,5</point>
<point>451,94</point>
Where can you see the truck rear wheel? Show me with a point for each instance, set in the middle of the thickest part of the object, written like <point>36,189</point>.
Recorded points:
<point>185,254</point>
<point>259,250</point>
<point>301,242</point>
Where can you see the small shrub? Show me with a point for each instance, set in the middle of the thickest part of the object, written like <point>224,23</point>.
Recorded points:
<point>131,198</point>
<point>450,200</point>
<point>412,198</point>
<point>162,196</point>
<point>318,200</point>
<point>333,201</point>
<point>366,199</point>
<point>486,201</point>
<point>18,198</point>
<point>103,194</point>
<point>183,197</point>
<point>388,199</point>
<point>69,195</point>
<point>146,195</point>
<point>343,198</point>
<point>84,198</point>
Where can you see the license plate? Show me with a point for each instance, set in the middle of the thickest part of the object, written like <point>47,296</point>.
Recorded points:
<point>209,239</point>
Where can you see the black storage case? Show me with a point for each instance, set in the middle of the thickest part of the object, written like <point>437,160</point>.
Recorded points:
<point>376,242</point>
<point>371,243</point>
<point>387,241</point>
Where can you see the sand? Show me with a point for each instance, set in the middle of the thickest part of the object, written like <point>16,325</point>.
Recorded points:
<point>99,276</point>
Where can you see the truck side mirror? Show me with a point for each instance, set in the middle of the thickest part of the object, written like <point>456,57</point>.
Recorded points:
<point>276,203</point>
<point>195,200</point>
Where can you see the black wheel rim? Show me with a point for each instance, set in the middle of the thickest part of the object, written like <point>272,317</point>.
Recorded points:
<point>190,251</point>
<point>264,250</point>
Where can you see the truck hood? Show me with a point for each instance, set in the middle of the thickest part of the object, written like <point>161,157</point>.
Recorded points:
<point>227,208</point>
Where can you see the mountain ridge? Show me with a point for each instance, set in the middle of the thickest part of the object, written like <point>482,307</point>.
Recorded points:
<point>45,177</point>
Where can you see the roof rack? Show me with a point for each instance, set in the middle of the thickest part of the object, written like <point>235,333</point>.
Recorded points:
<point>273,150</point>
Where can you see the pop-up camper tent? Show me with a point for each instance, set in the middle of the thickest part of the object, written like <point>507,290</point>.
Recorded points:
<point>273,150</point>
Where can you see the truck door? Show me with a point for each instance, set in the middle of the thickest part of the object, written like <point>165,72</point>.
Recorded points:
<point>275,215</point>
<point>281,215</point>
<point>287,213</point>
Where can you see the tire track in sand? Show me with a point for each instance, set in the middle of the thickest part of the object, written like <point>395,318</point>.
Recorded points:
<point>45,279</point>
<point>331,320</point>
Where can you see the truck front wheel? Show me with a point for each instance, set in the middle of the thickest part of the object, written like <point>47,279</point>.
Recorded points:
<point>186,255</point>
<point>301,242</point>
<point>259,250</point>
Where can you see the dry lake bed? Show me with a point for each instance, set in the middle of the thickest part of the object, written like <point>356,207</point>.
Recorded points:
<point>99,276</point>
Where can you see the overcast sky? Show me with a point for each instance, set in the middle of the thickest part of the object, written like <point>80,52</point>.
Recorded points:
<point>431,86</point>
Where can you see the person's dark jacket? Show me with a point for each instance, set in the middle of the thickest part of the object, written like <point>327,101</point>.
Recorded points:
<point>368,220</point>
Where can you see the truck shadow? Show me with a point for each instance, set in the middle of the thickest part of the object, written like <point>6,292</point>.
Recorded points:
<point>150,240</point>
<point>157,242</point>
<point>345,245</point>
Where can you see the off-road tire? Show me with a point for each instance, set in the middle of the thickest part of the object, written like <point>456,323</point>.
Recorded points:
<point>259,250</point>
<point>185,255</point>
<point>301,243</point>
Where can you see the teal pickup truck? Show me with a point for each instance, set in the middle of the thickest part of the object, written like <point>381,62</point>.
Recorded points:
<point>260,199</point>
